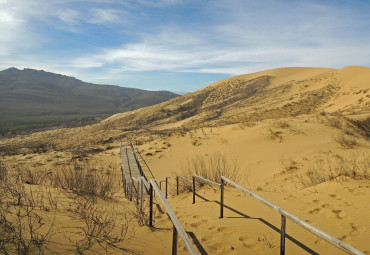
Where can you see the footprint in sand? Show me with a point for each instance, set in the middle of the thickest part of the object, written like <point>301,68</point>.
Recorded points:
<point>212,228</point>
<point>339,213</point>
<point>356,229</point>
<point>248,242</point>
<point>196,224</point>
<point>325,206</point>
<point>223,229</point>
<point>205,239</point>
<point>220,246</point>
<point>315,211</point>
<point>335,196</point>
<point>349,189</point>
<point>316,201</point>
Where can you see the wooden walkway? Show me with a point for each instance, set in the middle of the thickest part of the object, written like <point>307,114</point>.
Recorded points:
<point>132,171</point>
<point>129,164</point>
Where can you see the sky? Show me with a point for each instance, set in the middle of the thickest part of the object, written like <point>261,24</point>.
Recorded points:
<point>180,45</point>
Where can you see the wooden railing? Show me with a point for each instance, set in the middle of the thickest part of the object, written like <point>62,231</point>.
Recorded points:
<point>177,227</point>
<point>284,214</point>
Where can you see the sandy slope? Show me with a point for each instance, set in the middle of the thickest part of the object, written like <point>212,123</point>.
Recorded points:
<point>282,128</point>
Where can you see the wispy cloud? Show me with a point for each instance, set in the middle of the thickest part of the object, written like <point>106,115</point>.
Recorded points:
<point>109,38</point>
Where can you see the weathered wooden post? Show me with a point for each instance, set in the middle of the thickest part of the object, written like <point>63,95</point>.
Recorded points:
<point>166,187</point>
<point>131,189</point>
<point>151,206</point>
<point>177,185</point>
<point>282,235</point>
<point>137,192</point>
<point>174,241</point>
<point>142,194</point>
<point>222,199</point>
<point>193,190</point>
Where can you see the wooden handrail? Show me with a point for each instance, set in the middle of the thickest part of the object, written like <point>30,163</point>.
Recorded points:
<point>207,181</point>
<point>323,235</point>
<point>176,223</point>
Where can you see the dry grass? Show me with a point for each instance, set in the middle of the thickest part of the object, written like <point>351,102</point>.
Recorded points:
<point>23,227</point>
<point>29,208</point>
<point>346,141</point>
<point>86,181</point>
<point>274,135</point>
<point>212,167</point>
<point>104,225</point>
<point>355,167</point>
<point>281,124</point>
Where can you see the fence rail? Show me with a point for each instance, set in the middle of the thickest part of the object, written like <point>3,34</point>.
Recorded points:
<point>284,214</point>
<point>152,188</point>
<point>177,227</point>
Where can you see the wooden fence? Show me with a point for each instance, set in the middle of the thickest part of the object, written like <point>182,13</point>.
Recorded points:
<point>177,227</point>
<point>179,230</point>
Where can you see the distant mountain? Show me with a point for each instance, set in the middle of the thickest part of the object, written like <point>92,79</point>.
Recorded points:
<point>32,99</point>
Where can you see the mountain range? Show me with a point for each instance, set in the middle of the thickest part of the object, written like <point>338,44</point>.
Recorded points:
<point>34,99</point>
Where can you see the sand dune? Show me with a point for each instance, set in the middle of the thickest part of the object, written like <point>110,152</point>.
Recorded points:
<point>297,136</point>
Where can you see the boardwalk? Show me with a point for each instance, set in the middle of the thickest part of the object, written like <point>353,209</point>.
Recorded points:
<point>132,171</point>
<point>129,165</point>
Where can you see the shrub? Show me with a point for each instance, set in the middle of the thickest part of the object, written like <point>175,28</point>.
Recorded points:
<point>23,230</point>
<point>346,141</point>
<point>212,167</point>
<point>85,181</point>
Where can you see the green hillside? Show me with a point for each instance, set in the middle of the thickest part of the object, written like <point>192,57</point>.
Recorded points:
<point>32,99</point>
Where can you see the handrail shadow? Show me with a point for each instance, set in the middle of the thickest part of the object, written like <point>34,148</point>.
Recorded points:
<point>197,243</point>
<point>295,241</point>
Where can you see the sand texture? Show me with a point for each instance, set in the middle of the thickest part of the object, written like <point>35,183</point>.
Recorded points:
<point>299,137</point>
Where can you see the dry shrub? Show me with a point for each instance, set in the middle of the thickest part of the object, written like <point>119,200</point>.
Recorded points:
<point>23,229</point>
<point>334,122</point>
<point>281,124</point>
<point>346,142</point>
<point>355,167</point>
<point>290,165</point>
<point>212,167</point>
<point>274,135</point>
<point>103,224</point>
<point>85,181</point>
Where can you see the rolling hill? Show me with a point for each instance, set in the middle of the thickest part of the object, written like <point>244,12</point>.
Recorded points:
<point>32,99</point>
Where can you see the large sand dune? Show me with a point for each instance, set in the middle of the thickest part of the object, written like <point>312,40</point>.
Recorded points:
<point>297,136</point>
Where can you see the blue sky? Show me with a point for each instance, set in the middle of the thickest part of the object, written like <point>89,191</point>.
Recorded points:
<point>180,45</point>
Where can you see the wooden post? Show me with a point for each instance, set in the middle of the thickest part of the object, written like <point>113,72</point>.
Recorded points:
<point>166,187</point>
<point>174,241</point>
<point>142,194</point>
<point>124,187</point>
<point>193,190</point>
<point>177,185</point>
<point>151,206</point>
<point>222,199</point>
<point>137,192</point>
<point>131,189</point>
<point>282,235</point>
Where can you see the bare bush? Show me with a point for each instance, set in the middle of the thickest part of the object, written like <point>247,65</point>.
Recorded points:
<point>281,124</point>
<point>85,181</point>
<point>334,122</point>
<point>354,167</point>
<point>346,142</point>
<point>23,229</point>
<point>274,135</point>
<point>212,167</point>
<point>103,224</point>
